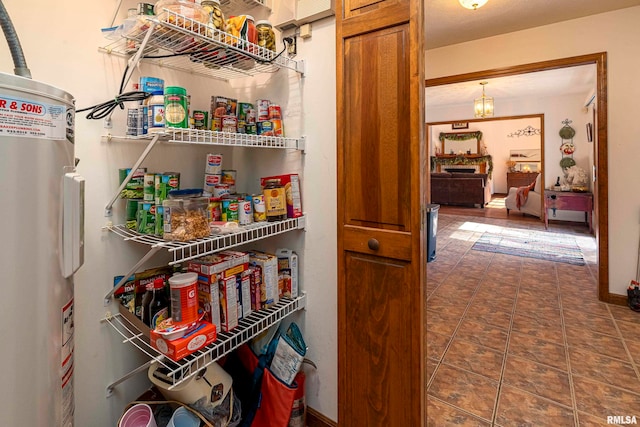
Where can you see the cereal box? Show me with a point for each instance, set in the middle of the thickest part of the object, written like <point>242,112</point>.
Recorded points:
<point>288,272</point>
<point>228,303</point>
<point>269,286</point>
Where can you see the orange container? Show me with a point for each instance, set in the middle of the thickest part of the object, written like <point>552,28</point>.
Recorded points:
<point>184,298</point>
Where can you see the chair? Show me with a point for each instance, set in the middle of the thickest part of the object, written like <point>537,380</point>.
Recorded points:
<point>533,204</point>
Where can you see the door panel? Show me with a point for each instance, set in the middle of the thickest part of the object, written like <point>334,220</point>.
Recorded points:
<point>376,143</point>
<point>376,294</point>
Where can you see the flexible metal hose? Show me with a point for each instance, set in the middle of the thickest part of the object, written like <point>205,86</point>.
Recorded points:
<point>19,62</point>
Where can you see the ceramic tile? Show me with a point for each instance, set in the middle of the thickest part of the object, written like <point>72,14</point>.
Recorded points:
<point>465,390</point>
<point>542,309</point>
<point>518,408</point>
<point>598,324</point>
<point>486,299</point>
<point>483,334</point>
<point>586,420</point>
<point>596,343</point>
<point>625,314</point>
<point>600,400</point>
<point>455,290</point>
<point>604,369</point>
<point>630,330</point>
<point>538,350</point>
<point>593,308</point>
<point>538,301</point>
<point>634,349</point>
<point>539,327</point>
<point>436,344</point>
<point>440,414</point>
<point>441,322</point>
<point>538,379</point>
<point>448,304</point>
<point>489,315</point>
<point>475,358</point>
<point>431,367</point>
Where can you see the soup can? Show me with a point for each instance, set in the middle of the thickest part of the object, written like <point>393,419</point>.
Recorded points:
<point>229,178</point>
<point>214,164</point>
<point>220,190</point>
<point>214,210</point>
<point>262,109</point>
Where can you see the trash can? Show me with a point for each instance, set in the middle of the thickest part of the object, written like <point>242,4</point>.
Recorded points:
<point>432,227</point>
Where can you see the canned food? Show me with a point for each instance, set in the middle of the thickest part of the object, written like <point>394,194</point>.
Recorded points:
<point>149,190</point>
<point>229,124</point>
<point>214,164</point>
<point>201,120</point>
<point>214,211</point>
<point>229,178</point>
<point>278,129</point>
<point>245,211</point>
<point>210,181</point>
<point>262,109</point>
<point>230,210</point>
<point>220,190</point>
<point>259,212</point>
<point>265,128</point>
<point>159,221</point>
<point>164,183</point>
<point>146,218</point>
<point>275,200</point>
<point>275,112</point>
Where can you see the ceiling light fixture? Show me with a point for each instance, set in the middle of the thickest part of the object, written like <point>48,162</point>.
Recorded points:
<point>473,4</point>
<point>483,106</point>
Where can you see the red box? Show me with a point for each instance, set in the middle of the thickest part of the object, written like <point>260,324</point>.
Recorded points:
<point>182,347</point>
<point>291,184</point>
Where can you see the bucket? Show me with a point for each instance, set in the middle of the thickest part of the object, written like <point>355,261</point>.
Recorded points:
<point>139,415</point>
<point>183,418</point>
<point>184,298</point>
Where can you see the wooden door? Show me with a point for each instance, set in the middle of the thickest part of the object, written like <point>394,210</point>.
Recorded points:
<point>381,170</point>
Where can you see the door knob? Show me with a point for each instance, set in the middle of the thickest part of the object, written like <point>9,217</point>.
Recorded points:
<point>373,244</point>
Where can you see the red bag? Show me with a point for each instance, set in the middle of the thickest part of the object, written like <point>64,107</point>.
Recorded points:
<point>276,401</point>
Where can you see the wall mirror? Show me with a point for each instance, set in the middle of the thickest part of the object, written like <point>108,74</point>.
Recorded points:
<point>460,142</point>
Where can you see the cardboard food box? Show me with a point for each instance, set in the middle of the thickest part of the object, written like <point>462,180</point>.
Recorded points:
<point>255,275</point>
<point>228,304</point>
<point>190,343</point>
<point>208,291</point>
<point>243,287</point>
<point>288,271</point>
<point>217,263</point>
<point>269,275</point>
<point>291,184</point>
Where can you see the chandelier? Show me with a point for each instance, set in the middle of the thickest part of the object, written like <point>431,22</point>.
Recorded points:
<point>483,106</point>
<point>473,4</point>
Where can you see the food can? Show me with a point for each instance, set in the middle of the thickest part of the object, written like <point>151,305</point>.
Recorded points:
<point>278,129</point>
<point>164,183</point>
<point>145,9</point>
<point>159,221</point>
<point>214,164</point>
<point>146,218</point>
<point>265,128</point>
<point>251,129</point>
<point>275,200</point>
<point>201,120</point>
<point>275,112</point>
<point>220,190</point>
<point>149,189</point>
<point>176,107</point>
<point>262,109</point>
<point>230,210</point>
<point>132,121</point>
<point>229,178</point>
<point>184,298</point>
<point>210,181</point>
<point>214,210</point>
<point>244,111</point>
<point>245,211</point>
<point>259,211</point>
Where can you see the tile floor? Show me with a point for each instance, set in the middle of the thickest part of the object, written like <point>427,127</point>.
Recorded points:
<point>515,341</point>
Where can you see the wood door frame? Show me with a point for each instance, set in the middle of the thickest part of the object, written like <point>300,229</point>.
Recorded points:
<point>601,191</point>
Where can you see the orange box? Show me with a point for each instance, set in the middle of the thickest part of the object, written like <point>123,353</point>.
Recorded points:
<point>291,184</point>
<point>182,347</point>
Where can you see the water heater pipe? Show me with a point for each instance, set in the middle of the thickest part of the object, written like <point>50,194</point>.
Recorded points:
<point>19,62</point>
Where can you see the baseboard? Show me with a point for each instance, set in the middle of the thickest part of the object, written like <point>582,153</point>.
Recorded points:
<point>316,419</point>
<point>617,299</point>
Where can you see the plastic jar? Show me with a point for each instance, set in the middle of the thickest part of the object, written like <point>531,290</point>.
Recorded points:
<point>275,200</point>
<point>266,36</point>
<point>184,298</point>
<point>176,107</point>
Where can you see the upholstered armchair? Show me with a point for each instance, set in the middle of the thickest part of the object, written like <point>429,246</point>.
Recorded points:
<point>533,203</point>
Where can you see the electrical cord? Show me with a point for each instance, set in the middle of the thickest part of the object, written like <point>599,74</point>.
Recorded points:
<point>100,111</point>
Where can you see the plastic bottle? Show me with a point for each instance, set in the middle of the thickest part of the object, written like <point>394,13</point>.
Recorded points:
<point>155,113</point>
<point>159,305</point>
<point>146,300</point>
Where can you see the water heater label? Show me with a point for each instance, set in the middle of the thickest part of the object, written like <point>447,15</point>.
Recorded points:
<point>22,117</point>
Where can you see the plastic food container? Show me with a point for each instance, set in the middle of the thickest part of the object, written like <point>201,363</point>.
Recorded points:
<point>183,8</point>
<point>185,219</point>
<point>184,298</point>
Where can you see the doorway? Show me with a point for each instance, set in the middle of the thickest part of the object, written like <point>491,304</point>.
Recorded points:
<point>600,141</point>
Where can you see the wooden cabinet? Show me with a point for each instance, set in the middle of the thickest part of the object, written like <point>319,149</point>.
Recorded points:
<point>568,201</point>
<point>520,179</point>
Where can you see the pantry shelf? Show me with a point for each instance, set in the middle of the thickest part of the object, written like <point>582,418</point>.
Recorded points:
<point>177,372</point>
<point>234,7</point>
<point>185,251</point>
<point>178,42</point>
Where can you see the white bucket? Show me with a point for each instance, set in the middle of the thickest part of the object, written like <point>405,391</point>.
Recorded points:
<point>182,417</point>
<point>139,415</point>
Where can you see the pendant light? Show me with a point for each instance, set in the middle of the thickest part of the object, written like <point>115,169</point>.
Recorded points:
<point>473,4</point>
<point>483,106</point>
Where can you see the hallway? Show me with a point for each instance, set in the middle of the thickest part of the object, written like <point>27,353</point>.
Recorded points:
<point>514,341</point>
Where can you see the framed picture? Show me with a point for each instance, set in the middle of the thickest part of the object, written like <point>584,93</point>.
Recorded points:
<point>460,125</point>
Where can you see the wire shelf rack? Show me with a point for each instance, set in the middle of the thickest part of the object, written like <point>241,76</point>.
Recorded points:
<point>178,372</point>
<point>239,5</point>
<point>185,251</point>
<point>182,43</point>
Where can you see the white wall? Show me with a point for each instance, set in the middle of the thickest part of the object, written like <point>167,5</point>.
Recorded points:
<point>616,33</point>
<point>61,49</point>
